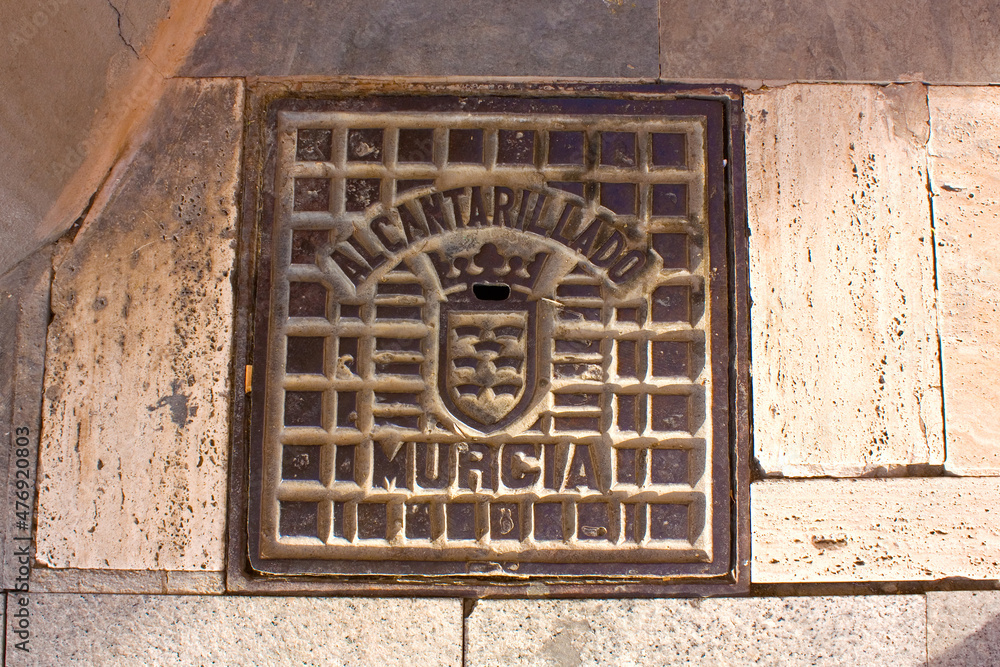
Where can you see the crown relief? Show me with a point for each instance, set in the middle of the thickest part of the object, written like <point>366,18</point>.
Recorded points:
<point>460,274</point>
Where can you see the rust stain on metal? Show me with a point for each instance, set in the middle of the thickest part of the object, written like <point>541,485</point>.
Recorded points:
<point>496,341</point>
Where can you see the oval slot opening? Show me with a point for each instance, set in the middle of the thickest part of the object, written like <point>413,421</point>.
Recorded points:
<point>491,291</point>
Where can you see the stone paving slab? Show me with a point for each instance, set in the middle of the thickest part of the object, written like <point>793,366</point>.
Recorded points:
<point>133,461</point>
<point>192,630</point>
<point>846,378</point>
<point>838,40</point>
<point>963,629</point>
<point>24,316</point>
<point>3,619</point>
<point>875,529</point>
<point>964,156</point>
<point>616,38</point>
<point>736,631</point>
<point>149,582</point>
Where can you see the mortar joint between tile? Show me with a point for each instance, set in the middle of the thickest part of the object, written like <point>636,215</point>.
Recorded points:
<point>937,287</point>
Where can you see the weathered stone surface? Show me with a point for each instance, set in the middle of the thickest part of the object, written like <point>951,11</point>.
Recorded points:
<point>963,629</point>
<point>875,529</point>
<point>844,345</point>
<point>839,40</point>
<point>733,631</point>
<point>24,316</point>
<point>201,583</point>
<point>134,454</point>
<point>963,167</point>
<point>61,59</point>
<point>192,630</point>
<point>3,619</point>
<point>147,582</point>
<point>440,38</point>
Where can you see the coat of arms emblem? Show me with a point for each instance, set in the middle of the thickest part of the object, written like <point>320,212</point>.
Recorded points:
<point>487,363</point>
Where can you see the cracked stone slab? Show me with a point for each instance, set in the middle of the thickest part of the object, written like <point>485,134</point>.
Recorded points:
<point>63,60</point>
<point>136,21</point>
<point>723,631</point>
<point>195,630</point>
<point>837,530</point>
<point>846,378</point>
<point>838,40</point>
<point>963,165</point>
<point>963,629</point>
<point>613,38</point>
<point>133,459</point>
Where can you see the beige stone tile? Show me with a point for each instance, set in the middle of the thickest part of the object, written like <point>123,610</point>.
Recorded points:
<point>963,629</point>
<point>149,582</point>
<point>844,341</point>
<point>191,630</point>
<point>735,631</point>
<point>875,529</point>
<point>964,157</point>
<point>133,461</point>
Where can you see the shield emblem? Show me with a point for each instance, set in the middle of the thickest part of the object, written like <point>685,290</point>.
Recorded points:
<point>488,370</point>
<point>488,338</point>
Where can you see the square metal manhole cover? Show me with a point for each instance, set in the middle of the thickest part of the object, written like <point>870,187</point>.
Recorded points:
<point>494,342</point>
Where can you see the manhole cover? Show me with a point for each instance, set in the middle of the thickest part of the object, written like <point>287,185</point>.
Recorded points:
<point>493,341</point>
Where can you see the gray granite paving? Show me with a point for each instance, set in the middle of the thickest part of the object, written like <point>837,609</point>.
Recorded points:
<point>838,631</point>
<point>963,629</point>
<point>195,630</point>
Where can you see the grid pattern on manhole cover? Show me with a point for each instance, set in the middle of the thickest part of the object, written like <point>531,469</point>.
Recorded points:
<point>488,340</point>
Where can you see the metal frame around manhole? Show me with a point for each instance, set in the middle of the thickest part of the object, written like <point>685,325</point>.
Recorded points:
<point>309,159</point>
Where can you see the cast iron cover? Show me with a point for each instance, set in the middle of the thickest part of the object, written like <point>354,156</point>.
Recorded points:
<point>493,341</point>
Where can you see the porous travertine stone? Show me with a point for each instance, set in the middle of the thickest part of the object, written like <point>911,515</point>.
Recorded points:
<point>844,345</point>
<point>964,155</point>
<point>963,629</point>
<point>726,631</point>
<point>133,462</point>
<point>607,38</point>
<point>151,582</point>
<point>240,631</point>
<point>834,40</point>
<point>875,529</point>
